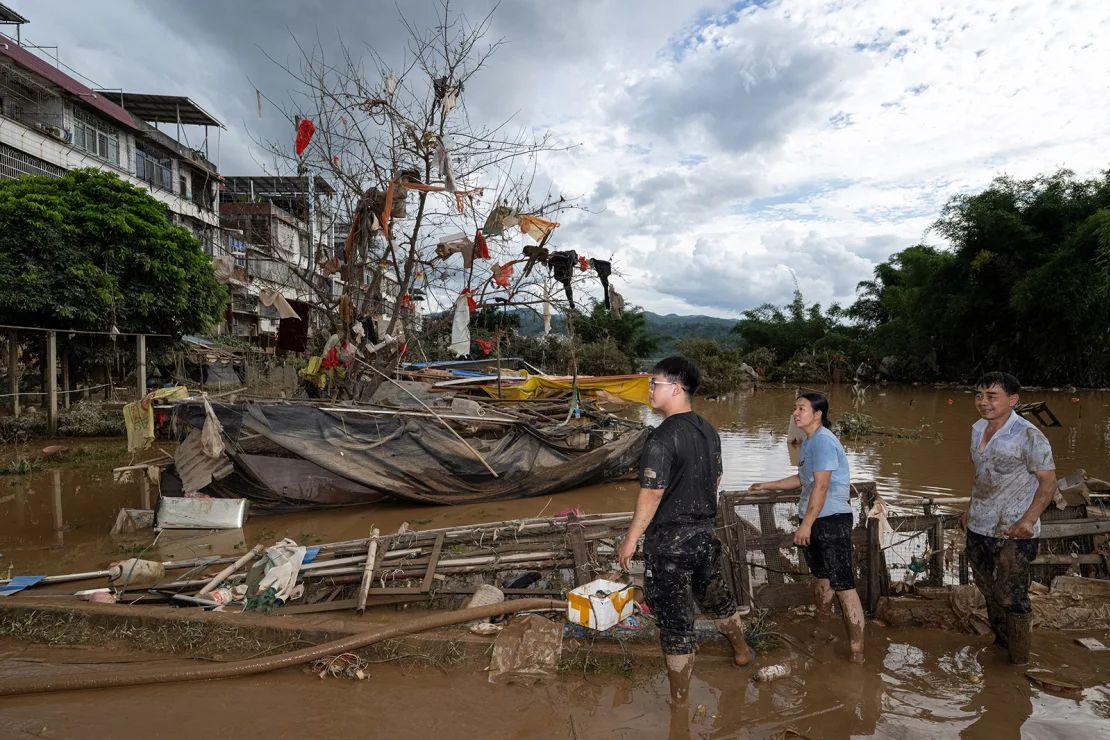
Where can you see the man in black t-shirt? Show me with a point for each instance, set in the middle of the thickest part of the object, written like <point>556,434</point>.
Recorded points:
<point>680,470</point>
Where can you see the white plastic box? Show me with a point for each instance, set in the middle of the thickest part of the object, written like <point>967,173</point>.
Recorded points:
<point>600,604</point>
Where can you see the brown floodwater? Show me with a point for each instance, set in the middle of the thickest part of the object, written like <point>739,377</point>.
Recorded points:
<point>915,683</point>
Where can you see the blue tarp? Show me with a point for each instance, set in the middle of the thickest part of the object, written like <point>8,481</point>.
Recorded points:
<point>18,583</point>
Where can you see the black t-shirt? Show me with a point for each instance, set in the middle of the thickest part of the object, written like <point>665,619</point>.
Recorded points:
<point>683,457</point>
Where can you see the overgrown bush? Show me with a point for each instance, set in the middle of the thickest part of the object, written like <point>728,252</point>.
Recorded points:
<point>718,364</point>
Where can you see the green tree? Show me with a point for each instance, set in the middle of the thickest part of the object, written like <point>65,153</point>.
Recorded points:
<point>1024,287</point>
<point>629,334</point>
<point>89,251</point>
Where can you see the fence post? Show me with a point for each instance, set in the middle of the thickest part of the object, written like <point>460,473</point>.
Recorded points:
<point>13,370</point>
<point>50,373</point>
<point>140,363</point>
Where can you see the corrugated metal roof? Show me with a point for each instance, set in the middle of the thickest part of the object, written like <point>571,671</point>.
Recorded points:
<point>162,108</point>
<point>7,15</point>
<point>32,63</point>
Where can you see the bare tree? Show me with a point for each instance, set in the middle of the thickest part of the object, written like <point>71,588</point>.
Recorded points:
<point>410,166</point>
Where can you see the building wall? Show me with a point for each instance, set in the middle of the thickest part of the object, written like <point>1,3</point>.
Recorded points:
<point>58,153</point>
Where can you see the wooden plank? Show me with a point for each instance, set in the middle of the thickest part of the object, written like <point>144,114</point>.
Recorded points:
<point>744,574</point>
<point>581,556</point>
<point>1074,528</point>
<point>433,561</point>
<point>874,563</point>
<point>1052,559</point>
<point>772,555</point>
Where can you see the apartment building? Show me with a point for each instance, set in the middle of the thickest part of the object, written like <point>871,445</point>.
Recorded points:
<point>51,122</point>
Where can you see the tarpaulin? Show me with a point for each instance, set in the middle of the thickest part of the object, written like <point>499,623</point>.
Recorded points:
<point>632,388</point>
<point>416,458</point>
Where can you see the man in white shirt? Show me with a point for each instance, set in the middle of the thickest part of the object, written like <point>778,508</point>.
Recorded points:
<point>1015,481</point>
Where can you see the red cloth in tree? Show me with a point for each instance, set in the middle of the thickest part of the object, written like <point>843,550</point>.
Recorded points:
<point>481,249</point>
<point>583,263</point>
<point>305,130</point>
<point>470,302</point>
<point>485,345</point>
<point>502,273</point>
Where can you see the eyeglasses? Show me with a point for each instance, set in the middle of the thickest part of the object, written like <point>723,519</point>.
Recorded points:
<point>653,382</point>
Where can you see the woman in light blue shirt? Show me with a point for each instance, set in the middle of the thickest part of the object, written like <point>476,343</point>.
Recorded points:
<point>825,532</point>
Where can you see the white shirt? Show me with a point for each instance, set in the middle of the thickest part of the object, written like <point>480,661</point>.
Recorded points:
<point>1005,475</point>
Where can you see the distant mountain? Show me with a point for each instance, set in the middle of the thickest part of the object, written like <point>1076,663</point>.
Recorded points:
<point>672,328</point>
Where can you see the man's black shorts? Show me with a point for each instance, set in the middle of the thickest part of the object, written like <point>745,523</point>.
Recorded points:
<point>829,553</point>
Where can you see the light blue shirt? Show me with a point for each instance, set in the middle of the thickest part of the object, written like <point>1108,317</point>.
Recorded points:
<point>823,451</point>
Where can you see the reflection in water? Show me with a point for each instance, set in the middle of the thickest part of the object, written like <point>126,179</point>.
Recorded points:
<point>916,683</point>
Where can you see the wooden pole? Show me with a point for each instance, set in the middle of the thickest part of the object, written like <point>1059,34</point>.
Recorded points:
<point>140,363</point>
<point>59,523</point>
<point>13,370</point>
<point>51,375</point>
<point>65,376</point>
<point>223,574</point>
<point>368,570</point>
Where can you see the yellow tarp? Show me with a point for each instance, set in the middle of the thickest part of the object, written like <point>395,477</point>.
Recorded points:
<point>138,416</point>
<point>633,388</point>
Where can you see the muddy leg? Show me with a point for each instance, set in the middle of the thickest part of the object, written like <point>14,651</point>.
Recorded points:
<point>679,670</point>
<point>852,610</point>
<point>823,596</point>
<point>982,554</point>
<point>733,629</point>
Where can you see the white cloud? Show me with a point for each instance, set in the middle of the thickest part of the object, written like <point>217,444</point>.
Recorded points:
<point>715,145</point>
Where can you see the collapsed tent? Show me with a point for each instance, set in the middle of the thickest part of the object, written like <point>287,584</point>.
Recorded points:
<point>292,456</point>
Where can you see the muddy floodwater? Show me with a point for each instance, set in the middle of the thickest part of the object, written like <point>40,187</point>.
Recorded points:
<point>915,683</point>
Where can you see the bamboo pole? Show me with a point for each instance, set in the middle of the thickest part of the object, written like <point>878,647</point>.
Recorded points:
<point>368,570</point>
<point>223,574</point>
<point>437,416</point>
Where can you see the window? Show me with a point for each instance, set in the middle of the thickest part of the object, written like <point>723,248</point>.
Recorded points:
<point>238,250</point>
<point>153,169</point>
<point>95,137</point>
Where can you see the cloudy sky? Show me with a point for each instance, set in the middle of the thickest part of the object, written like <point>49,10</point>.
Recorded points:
<point>720,149</point>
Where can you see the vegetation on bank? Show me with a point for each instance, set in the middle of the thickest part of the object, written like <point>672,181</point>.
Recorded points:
<point>1024,286</point>
<point>88,251</point>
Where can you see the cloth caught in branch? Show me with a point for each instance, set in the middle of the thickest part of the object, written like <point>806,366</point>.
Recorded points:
<point>616,303</point>
<point>305,130</point>
<point>536,227</point>
<point>561,265</point>
<point>535,254</point>
<point>481,248</point>
<point>604,270</point>
<point>443,162</point>
<point>500,218</point>
<point>502,273</point>
<point>485,345</point>
<point>460,326</point>
<point>546,310</point>
<point>583,263</point>
<point>270,297</point>
<point>390,85</point>
<point>459,243</point>
<point>470,302</point>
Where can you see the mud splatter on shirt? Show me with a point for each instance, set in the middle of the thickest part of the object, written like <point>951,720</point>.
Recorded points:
<point>1005,475</point>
